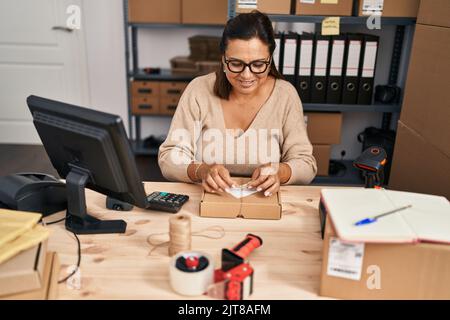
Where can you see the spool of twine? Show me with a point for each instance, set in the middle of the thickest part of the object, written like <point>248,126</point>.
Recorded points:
<point>180,234</point>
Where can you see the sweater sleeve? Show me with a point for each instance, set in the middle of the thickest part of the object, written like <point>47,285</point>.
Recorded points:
<point>178,150</point>
<point>296,147</point>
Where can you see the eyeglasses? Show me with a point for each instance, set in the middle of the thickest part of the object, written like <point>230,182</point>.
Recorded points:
<point>256,67</point>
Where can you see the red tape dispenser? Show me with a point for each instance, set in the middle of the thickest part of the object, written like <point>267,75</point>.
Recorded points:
<point>234,281</point>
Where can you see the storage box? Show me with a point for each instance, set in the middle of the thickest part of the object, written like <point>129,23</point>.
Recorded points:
<point>172,89</point>
<point>323,128</point>
<point>434,12</point>
<point>266,6</point>
<point>426,106</point>
<point>168,105</point>
<point>49,290</point>
<point>320,8</point>
<point>392,8</point>
<point>204,11</point>
<point>322,155</point>
<point>388,271</point>
<point>144,105</point>
<point>417,166</point>
<point>23,272</point>
<point>255,206</point>
<point>145,88</point>
<point>154,11</point>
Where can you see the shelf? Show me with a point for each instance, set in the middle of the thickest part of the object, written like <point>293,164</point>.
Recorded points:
<point>393,21</point>
<point>378,107</point>
<point>140,150</point>
<point>164,75</point>
<point>351,176</point>
<point>173,25</point>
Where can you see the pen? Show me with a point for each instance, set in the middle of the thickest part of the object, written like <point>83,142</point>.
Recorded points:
<point>375,218</point>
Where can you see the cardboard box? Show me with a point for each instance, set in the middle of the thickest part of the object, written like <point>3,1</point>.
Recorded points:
<point>426,106</point>
<point>49,290</point>
<point>394,8</point>
<point>23,272</point>
<point>204,11</point>
<point>323,128</point>
<point>322,154</point>
<point>255,206</point>
<point>417,166</point>
<point>434,12</point>
<point>319,8</point>
<point>266,6</point>
<point>154,11</point>
<point>389,271</point>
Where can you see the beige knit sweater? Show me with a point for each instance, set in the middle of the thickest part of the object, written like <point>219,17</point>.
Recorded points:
<point>198,133</point>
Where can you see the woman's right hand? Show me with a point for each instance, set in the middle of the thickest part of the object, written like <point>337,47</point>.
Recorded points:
<point>215,178</point>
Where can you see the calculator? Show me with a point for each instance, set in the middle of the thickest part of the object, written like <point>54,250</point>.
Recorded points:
<point>166,201</point>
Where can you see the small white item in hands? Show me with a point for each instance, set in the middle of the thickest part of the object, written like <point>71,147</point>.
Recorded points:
<point>241,191</point>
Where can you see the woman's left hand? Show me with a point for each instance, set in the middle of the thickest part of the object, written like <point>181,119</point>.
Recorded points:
<point>265,178</point>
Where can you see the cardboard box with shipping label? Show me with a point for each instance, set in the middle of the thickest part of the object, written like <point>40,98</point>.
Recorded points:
<point>383,271</point>
<point>389,8</point>
<point>254,206</point>
<point>324,7</point>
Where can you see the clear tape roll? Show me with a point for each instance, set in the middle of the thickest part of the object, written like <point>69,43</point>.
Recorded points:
<point>191,283</point>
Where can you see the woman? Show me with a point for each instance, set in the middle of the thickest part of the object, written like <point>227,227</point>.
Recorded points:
<point>244,120</point>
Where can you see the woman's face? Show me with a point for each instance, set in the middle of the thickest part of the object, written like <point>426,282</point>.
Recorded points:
<point>248,51</point>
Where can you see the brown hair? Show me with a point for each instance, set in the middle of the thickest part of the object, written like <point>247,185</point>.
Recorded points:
<point>245,27</point>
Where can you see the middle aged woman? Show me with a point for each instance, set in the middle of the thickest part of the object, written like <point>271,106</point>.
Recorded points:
<point>243,120</point>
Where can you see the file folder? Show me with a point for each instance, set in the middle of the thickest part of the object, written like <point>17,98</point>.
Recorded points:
<point>352,66</point>
<point>367,72</point>
<point>335,70</point>
<point>290,57</point>
<point>278,52</point>
<point>319,78</point>
<point>306,45</point>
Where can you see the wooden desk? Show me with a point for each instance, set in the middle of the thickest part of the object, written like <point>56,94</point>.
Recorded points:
<point>114,266</point>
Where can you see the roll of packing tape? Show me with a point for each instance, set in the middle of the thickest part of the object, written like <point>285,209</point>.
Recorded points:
<point>191,273</point>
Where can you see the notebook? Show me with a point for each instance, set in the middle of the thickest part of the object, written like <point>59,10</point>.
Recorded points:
<point>428,220</point>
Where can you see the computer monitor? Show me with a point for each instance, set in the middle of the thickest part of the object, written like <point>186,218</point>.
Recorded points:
<point>89,149</point>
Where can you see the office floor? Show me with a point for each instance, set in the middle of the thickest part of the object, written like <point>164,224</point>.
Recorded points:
<point>33,158</point>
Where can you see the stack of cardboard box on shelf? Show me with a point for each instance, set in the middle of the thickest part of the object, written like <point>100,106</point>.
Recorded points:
<point>344,8</point>
<point>27,269</point>
<point>422,151</point>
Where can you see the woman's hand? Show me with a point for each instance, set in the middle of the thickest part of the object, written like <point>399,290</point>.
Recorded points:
<point>215,178</point>
<point>265,178</point>
<point>269,177</point>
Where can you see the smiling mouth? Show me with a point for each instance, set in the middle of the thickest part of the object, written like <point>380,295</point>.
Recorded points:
<point>246,84</point>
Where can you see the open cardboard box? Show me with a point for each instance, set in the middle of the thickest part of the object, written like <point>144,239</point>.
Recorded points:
<point>255,206</point>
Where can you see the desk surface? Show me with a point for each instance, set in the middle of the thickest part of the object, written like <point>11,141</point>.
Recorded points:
<point>113,266</point>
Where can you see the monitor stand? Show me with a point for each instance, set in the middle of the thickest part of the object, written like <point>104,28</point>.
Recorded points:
<point>77,219</point>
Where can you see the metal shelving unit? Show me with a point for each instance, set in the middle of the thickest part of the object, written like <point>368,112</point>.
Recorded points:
<point>133,72</point>
<point>404,30</point>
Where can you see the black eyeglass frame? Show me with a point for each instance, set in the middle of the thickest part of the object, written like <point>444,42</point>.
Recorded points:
<point>249,65</point>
